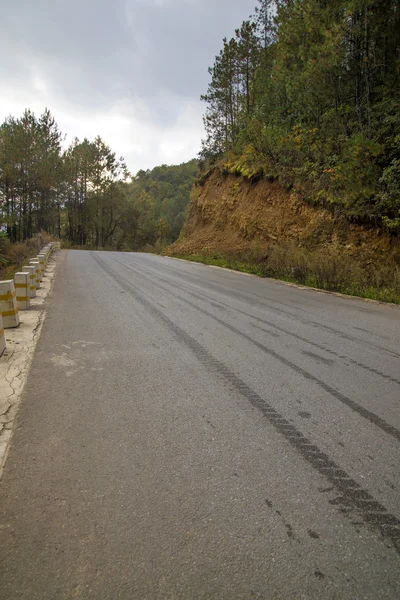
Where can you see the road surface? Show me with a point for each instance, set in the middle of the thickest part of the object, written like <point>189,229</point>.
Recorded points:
<point>192,433</point>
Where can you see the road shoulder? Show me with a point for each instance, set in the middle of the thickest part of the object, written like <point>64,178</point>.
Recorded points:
<point>16,360</point>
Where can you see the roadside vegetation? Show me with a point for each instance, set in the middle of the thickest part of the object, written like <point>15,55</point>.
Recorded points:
<point>13,256</point>
<point>84,194</point>
<point>318,270</point>
<point>306,94</point>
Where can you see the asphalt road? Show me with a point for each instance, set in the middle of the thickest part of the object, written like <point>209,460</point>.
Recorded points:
<point>192,433</point>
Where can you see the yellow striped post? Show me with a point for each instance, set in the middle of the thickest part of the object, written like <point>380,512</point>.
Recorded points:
<point>8,304</point>
<point>35,263</point>
<point>2,336</point>
<point>31,270</point>
<point>21,283</point>
<point>46,252</point>
<point>42,262</point>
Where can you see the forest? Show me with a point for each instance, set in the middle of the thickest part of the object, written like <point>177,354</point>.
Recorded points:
<point>83,193</point>
<point>308,92</point>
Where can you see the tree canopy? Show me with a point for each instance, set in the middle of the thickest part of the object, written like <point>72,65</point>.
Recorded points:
<point>84,193</point>
<point>308,91</point>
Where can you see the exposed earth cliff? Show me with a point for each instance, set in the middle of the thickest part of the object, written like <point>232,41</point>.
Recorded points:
<point>262,227</point>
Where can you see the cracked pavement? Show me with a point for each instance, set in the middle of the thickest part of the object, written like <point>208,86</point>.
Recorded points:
<point>16,360</point>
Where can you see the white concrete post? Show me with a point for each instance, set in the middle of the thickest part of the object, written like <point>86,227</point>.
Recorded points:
<point>2,336</point>
<point>31,270</point>
<point>42,265</point>
<point>35,263</point>
<point>8,304</point>
<point>21,282</point>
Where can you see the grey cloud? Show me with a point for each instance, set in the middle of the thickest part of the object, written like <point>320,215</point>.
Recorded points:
<point>140,65</point>
<point>97,51</point>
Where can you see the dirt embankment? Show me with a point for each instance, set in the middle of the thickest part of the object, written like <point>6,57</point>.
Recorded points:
<point>262,223</point>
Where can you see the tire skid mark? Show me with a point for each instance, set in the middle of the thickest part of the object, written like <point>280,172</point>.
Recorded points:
<point>201,296</point>
<point>318,357</point>
<point>273,333</point>
<point>310,342</point>
<point>354,406</point>
<point>246,296</point>
<point>352,496</point>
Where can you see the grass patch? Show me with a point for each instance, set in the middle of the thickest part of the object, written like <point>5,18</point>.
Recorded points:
<point>325,271</point>
<point>226,263</point>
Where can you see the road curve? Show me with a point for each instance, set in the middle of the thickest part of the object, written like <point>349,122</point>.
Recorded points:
<point>192,433</point>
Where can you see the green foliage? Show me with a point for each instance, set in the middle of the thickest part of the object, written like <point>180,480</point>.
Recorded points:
<point>309,92</point>
<point>14,255</point>
<point>93,194</point>
<point>82,194</point>
<point>313,269</point>
<point>249,164</point>
<point>159,199</point>
<point>30,172</point>
<point>388,195</point>
<point>232,92</point>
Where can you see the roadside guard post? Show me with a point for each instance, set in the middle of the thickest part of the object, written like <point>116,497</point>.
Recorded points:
<point>35,263</point>
<point>21,282</point>
<point>42,262</point>
<point>8,304</point>
<point>31,270</point>
<point>2,336</point>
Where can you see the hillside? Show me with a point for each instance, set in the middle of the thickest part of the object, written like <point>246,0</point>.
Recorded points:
<point>263,228</point>
<point>159,198</point>
<point>307,92</point>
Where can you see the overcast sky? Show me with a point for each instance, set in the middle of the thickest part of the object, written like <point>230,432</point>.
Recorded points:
<point>131,71</point>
